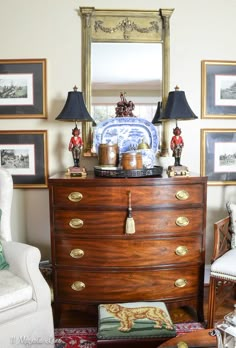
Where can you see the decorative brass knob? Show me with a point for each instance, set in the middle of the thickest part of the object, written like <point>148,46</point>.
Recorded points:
<point>182,195</point>
<point>182,221</point>
<point>181,250</point>
<point>75,196</point>
<point>78,286</point>
<point>180,283</point>
<point>77,253</point>
<point>143,145</point>
<point>76,223</point>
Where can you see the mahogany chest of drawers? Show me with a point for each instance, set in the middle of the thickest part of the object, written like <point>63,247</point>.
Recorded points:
<point>94,259</point>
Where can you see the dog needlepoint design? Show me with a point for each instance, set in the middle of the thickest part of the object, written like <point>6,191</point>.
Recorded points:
<point>127,316</point>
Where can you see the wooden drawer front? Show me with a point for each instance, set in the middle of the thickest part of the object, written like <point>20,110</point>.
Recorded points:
<point>127,253</point>
<point>109,223</point>
<point>128,286</point>
<point>118,196</point>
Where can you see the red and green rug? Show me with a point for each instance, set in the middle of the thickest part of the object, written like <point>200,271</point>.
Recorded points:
<point>86,337</point>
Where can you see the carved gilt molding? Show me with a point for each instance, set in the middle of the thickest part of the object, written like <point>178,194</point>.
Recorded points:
<point>126,26</point>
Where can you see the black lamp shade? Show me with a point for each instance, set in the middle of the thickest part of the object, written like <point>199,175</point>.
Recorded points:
<point>177,107</point>
<point>75,109</point>
<point>156,119</point>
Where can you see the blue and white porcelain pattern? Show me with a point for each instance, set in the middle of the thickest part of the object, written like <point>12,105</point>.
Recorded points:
<point>127,132</point>
<point>148,157</point>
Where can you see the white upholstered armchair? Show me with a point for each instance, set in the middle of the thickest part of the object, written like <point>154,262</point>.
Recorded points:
<point>25,299</point>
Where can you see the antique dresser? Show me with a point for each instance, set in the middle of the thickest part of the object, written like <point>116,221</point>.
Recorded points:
<point>95,261</point>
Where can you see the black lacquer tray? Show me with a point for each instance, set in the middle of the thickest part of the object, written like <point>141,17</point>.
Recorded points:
<point>134,173</point>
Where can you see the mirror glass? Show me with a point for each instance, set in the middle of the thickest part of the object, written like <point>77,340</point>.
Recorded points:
<point>131,68</point>
<point>123,51</point>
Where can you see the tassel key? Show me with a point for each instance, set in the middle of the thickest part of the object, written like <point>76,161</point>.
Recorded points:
<point>130,224</point>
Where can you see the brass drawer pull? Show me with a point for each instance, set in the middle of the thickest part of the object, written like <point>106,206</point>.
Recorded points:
<point>77,253</point>
<point>180,283</point>
<point>75,196</point>
<point>182,195</point>
<point>181,250</point>
<point>182,221</point>
<point>182,344</point>
<point>76,223</point>
<point>78,286</point>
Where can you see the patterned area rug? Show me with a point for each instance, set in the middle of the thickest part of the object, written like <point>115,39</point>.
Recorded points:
<point>86,337</point>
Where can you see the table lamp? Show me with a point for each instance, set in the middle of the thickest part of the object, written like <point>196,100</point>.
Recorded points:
<point>157,122</point>
<point>177,108</point>
<point>76,111</point>
<point>158,114</point>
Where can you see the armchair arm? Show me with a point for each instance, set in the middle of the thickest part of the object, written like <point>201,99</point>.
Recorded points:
<point>222,238</point>
<point>24,262</point>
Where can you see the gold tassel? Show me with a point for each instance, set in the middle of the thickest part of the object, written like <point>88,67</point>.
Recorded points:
<point>130,224</point>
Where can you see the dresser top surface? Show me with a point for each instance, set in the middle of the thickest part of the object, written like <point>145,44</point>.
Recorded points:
<point>91,178</point>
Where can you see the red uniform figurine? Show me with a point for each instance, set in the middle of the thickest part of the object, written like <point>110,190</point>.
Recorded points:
<point>176,145</point>
<point>75,145</point>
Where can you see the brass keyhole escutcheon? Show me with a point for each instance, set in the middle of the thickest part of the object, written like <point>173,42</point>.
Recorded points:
<point>77,253</point>
<point>78,286</point>
<point>181,250</point>
<point>75,196</point>
<point>182,195</point>
<point>180,283</point>
<point>76,223</point>
<point>182,221</point>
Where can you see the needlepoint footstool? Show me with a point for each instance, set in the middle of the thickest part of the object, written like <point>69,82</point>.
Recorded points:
<point>134,324</point>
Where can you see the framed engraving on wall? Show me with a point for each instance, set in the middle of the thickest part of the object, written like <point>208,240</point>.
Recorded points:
<point>218,89</point>
<point>24,155</point>
<point>23,88</point>
<point>218,156</point>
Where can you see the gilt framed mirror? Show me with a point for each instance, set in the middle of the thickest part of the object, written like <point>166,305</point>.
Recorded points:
<point>114,44</point>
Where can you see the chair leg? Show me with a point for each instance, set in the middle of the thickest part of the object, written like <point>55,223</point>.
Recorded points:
<point>211,303</point>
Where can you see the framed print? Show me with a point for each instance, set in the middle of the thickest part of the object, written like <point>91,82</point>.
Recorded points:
<point>218,89</point>
<point>24,155</point>
<point>23,88</point>
<point>218,156</point>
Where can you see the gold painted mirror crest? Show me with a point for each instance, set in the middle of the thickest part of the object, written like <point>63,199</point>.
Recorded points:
<point>119,26</point>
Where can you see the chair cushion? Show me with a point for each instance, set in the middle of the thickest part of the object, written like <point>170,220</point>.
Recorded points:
<point>3,262</point>
<point>14,291</point>
<point>224,266</point>
<point>231,207</point>
<point>134,320</point>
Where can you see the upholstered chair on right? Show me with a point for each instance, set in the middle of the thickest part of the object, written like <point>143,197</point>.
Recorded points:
<point>223,269</point>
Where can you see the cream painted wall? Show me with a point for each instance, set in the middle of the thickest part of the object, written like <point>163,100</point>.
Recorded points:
<point>51,29</point>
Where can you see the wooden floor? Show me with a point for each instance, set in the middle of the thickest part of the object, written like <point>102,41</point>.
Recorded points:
<point>69,317</point>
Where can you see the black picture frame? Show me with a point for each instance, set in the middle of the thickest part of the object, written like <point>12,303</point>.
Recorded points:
<point>218,89</point>
<point>24,155</point>
<point>218,156</point>
<point>23,88</point>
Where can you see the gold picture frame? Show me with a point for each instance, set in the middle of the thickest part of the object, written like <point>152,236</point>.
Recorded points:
<point>24,154</point>
<point>23,88</point>
<point>218,159</point>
